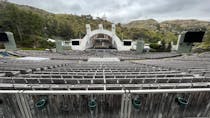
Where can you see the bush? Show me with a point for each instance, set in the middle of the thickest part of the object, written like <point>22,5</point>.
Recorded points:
<point>160,48</point>
<point>155,46</point>
<point>45,44</point>
<point>36,42</point>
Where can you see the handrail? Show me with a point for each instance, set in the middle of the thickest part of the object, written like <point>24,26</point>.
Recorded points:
<point>86,92</point>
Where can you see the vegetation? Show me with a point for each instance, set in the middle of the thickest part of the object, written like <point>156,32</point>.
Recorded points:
<point>168,31</point>
<point>32,27</point>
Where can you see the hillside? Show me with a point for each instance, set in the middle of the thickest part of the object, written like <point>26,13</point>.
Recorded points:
<point>172,28</point>
<point>147,24</point>
<point>177,25</point>
<point>32,26</point>
<point>169,25</point>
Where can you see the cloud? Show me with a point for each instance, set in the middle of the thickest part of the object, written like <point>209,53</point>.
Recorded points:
<point>127,10</point>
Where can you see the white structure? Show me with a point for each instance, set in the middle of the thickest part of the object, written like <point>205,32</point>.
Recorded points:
<point>147,47</point>
<point>51,40</point>
<point>173,46</point>
<point>92,37</point>
<point>105,59</point>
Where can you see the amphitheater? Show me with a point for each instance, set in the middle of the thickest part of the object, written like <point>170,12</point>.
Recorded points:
<point>158,85</point>
<point>104,83</point>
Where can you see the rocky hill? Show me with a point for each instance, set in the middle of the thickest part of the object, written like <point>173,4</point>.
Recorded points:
<point>178,25</point>
<point>147,24</point>
<point>169,25</point>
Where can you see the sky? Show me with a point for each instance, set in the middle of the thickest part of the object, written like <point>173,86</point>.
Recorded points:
<point>124,11</point>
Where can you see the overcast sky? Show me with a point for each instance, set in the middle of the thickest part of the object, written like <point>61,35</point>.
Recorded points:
<point>127,10</point>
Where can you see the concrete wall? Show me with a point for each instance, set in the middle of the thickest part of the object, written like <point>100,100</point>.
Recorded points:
<point>76,47</point>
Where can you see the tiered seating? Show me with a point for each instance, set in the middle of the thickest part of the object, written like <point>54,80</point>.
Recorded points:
<point>196,64</point>
<point>15,66</point>
<point>84,55</point>
<point>71,87</point>
<point>108,76</point>
<point>130,55</point>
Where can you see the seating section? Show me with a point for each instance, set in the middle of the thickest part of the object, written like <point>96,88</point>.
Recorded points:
<point>195,64</point>
<point>67,81</point>
<point>84,55</point>
<point>104,76</point>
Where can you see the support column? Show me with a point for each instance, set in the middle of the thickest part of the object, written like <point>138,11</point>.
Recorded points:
<point>23,105</point>
<point>100,26</point>
<point>113,28</point>
<point>125,106</point>
<point>20,105</point>
<point>129,105</point>
<point>88,28</point>
<point>59,46</point>
<point>122,106</point>
<point>140,46</point>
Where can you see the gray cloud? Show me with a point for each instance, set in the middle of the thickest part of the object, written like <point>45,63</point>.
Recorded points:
<point>127,10</point>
